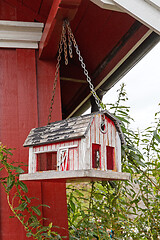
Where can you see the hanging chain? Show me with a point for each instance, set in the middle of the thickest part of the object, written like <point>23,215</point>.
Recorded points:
<point>63,41</point>
<point>56,73</point>
<point>97,100</point>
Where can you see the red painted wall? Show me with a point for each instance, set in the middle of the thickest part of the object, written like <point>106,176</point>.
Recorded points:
<point>25,91</point>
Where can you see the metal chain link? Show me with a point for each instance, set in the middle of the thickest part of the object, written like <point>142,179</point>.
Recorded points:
<point>63,41</point>
<point>56,75</point>
<point>70,45</point>
<point>97,100</point>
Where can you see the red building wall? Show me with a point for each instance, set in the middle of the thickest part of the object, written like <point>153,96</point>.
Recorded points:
<point>25,92</point>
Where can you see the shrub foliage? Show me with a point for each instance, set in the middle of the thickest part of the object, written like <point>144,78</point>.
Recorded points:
<point>130,209</point>
<point>101,210</point>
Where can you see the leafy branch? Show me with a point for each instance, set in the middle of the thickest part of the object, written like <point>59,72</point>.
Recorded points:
<point>130,210</point>
<point>20,204</point>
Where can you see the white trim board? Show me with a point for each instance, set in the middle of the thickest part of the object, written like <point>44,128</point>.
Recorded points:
<point>145,11</point>
<point>14,34</point>
<point>76,175</point>
<point>59,148</point>
<point>107,4</point>
<point>154,3</point>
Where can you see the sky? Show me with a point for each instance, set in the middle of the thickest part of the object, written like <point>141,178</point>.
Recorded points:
<point>143,89</point>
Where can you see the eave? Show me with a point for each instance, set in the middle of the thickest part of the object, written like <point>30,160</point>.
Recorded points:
<point>112,35</point>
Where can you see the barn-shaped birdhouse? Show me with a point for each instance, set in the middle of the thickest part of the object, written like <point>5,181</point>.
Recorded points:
<point>80,148</point>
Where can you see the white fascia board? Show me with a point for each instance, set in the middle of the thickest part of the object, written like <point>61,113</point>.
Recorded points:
<point>154,3</point>
<point>143,11</point>
<point>107,4</point>
<point>14,34</point>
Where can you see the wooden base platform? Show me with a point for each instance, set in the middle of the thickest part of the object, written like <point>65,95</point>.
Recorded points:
<point>76,175</point>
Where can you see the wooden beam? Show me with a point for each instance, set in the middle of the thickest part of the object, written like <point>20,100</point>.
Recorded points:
<point>60,10</point>
<point>73,80</point>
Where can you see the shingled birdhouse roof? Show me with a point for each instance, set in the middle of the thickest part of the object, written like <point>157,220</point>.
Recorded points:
<point>64,130</point>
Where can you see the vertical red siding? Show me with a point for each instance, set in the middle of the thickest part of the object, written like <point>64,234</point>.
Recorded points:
<point>53,194</point>
<point>18,113</point>
<point>25,87</point>
<point>45,80</point>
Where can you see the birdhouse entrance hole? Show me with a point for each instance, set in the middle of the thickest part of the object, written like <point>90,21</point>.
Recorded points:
<point>103,125</point>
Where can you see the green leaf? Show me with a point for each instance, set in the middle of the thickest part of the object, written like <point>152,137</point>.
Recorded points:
<point>29,234</point>
<point>34,224</point>
<point>98,196</point>
<point>36,210</point>
<point>10,182</point>
<point>12,167</point>
<point>7,151</point>
<point>21,207</point>
<point>50,225</point>
<point>19,170</point>
<point>156,136</point>
<point>28,199</point>
<point>72,205</point>
<point>79,193</point>
<point>23,186</point>
<point>43,205</point>
<point>122,119</point>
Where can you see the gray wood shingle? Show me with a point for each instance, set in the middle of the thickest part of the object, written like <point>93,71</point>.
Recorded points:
<point>73,128</point>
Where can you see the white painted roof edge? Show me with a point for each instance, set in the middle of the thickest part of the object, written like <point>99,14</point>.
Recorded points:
<point>145,11</point>
<point>107,4</point>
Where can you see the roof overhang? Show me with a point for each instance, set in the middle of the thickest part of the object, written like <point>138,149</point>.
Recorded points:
<point>145,11</point>
<point>112,35</point>
<point>129,47</point>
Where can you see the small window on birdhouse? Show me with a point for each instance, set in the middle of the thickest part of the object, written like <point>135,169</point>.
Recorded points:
<point>103,125</point>
<point>110,157</point>
<point>47,161</point>
<point>96,155</point>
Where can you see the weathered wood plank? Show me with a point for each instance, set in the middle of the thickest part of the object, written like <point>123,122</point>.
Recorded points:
<point>32,166</point>
<point>86,175</point>
<point>118,153</point>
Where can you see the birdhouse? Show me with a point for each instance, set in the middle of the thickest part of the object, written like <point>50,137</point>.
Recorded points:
<point>81,148</point>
